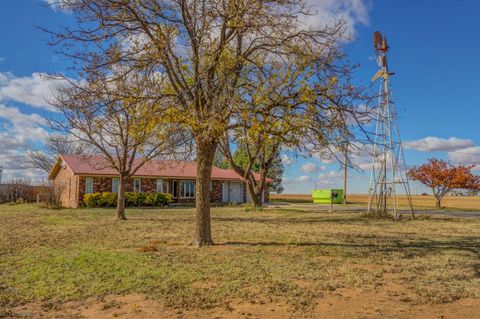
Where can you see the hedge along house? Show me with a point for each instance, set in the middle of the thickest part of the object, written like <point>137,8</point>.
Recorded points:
<point>73,176</point>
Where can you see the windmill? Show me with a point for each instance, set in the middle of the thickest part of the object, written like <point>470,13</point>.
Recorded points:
<point>388,161</point>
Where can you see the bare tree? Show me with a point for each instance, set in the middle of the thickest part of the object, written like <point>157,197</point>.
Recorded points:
<point>55,145</point>
<point>115,114</point>
<point>201,47</point>
<point>18,190</point>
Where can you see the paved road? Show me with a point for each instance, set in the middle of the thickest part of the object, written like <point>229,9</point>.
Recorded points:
<point>357,208</point>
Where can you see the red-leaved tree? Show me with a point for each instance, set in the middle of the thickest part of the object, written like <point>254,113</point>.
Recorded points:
<point>442,177</point>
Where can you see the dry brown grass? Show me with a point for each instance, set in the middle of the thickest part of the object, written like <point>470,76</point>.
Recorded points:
<point>289,257</point>
<point>460,202</point>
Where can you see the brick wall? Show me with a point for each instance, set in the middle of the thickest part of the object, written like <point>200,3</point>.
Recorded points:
<point>66,184</point>
<point>216,192</point>
<point>149,185</point>
<point>104,184</point>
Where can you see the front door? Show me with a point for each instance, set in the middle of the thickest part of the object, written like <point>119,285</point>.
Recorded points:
<point>174,189</point>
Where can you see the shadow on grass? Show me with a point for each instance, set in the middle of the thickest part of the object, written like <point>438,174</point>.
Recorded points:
<point>293,220</point>
<point>278,221</point>
<point>470,244</point>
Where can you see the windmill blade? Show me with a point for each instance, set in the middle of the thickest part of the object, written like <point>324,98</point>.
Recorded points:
<point>380,73</point>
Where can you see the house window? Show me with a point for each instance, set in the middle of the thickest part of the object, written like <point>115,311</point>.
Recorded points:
<point>188,189</point>
<point>89,185</point>
<point>115,185</point>
<point>159,185</point>
<point>137,185</point>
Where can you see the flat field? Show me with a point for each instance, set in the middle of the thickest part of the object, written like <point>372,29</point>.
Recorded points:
<point>420,202</point>
<point>280,262</point>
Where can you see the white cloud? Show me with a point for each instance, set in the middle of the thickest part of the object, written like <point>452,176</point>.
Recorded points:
<point>35,90</point>
<point>330,160</point>
<point>23,127</point>
<point>287,160</point>
<point>330,178</point>
<point>303,179</point>
<point>432,144</point>
<point>58,4</point>
<point>308,168</point>
<point>360,156</point>
<point>296,180</point>
<point>4,78</point>
<point>466,156</point>
<point>18,131</point>
<point>311,168</point>
<point>352,12</point>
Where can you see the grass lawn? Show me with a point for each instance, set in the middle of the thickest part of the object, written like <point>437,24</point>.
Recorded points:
<point>275,262</point>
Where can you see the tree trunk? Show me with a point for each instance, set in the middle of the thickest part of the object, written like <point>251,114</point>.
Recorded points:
<point>438,202</point>
<point>121,199</point>
<point>255,199</point>
<point>205,154</point>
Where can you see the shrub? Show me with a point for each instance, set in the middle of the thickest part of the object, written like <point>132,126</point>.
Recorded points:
<point>163,199</point>
<point>141,199</point>
<point>151,199</point>
<point>107,199</point>
<point>131,199</point>
<point>157,199</point>
<point>92,200</point>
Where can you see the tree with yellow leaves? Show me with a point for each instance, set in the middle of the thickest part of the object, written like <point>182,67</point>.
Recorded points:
<point>201,48</point>
<point>301,104</point>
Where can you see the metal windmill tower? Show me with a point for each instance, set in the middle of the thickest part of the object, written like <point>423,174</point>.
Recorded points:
<point>388,163</point>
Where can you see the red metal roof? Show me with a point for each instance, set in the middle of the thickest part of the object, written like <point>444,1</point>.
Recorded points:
<point>97,165</point>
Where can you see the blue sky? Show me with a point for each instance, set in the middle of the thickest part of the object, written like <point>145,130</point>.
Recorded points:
<point>434,53</point>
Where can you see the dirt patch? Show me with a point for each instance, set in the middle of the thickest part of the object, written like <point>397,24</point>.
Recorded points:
<point>342,303</point>
<point>147,249</point>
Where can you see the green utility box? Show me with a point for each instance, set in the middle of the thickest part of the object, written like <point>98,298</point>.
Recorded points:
<point>325,196</point>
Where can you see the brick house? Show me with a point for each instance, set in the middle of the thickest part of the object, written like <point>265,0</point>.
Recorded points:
<point>73,176</point>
